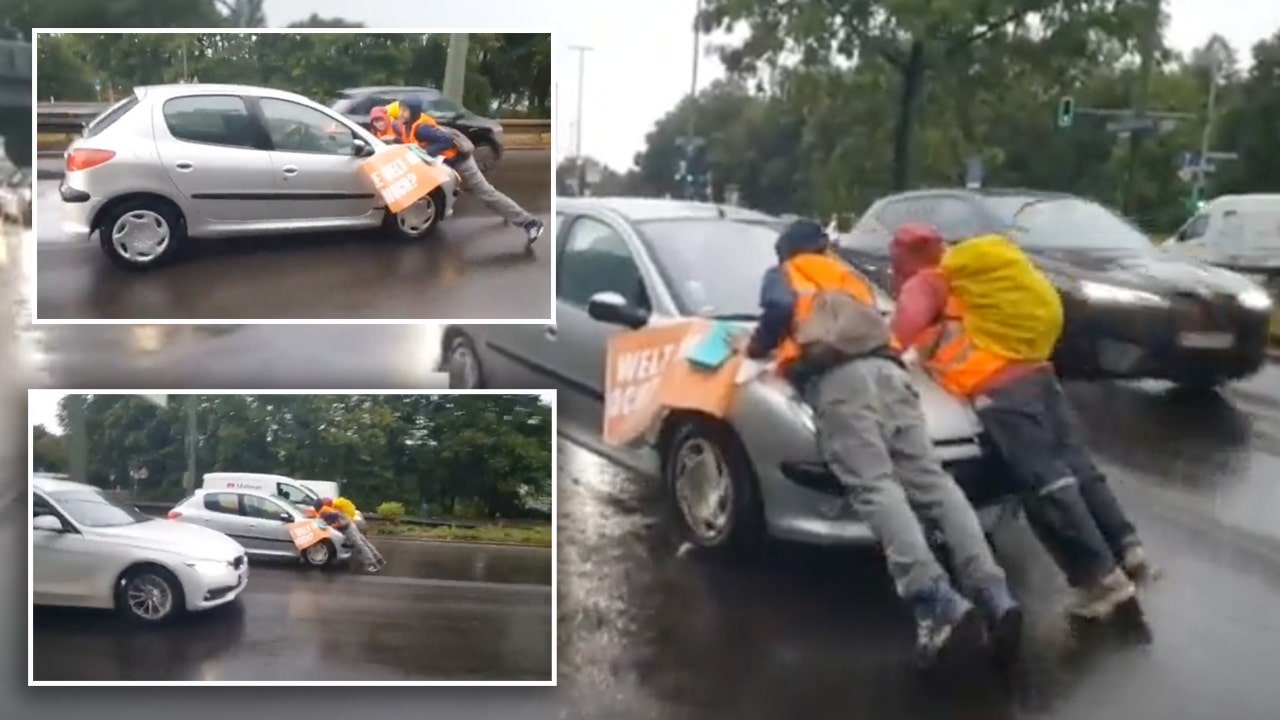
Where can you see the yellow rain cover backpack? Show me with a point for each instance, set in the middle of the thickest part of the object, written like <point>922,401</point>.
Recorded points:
<point>1010,307</point>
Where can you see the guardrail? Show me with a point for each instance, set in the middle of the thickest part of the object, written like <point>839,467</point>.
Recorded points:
<point>71,117</point>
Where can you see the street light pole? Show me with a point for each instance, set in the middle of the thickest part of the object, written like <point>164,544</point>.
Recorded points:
<point>582,51</point>
<point>1215,58</point>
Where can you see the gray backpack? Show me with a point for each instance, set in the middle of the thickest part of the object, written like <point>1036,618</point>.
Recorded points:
<point>460,141</point>
<point>840,328</point>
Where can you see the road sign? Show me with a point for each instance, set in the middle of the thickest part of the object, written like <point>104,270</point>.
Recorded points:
<point>1131,124</point>
<point>973,172</point>
<point>1066,111</point>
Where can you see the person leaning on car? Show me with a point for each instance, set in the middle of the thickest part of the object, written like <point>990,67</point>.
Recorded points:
<point>873,435</point>
<point>1025,414</point>
<point>422,129</point>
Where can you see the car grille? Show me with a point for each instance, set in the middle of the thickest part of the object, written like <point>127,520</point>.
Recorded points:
<point>238,563</point>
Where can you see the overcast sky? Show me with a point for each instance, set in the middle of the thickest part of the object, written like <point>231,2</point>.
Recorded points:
<point>640,67</point>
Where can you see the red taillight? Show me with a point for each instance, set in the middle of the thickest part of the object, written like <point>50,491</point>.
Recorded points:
<point>174,514</point>
<point>87,158</point>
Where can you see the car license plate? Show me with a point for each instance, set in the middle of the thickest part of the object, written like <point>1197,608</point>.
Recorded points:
<point>1206,340</point>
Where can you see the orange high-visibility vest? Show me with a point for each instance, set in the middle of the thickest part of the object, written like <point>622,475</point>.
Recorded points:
<point>410,134</point>
<point>809,274</point>
<point>951,358</point>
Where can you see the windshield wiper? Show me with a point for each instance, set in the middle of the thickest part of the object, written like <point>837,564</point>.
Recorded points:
<point>739,317</point>
<point>1032,202</point>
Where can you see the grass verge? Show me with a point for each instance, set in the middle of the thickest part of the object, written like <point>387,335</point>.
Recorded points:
<point>536,536</point>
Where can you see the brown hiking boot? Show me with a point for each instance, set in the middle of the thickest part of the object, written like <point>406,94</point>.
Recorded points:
<point>1138,566</point>
<point>1099,599</point>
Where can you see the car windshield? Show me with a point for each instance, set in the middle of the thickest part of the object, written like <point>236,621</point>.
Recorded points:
<point>289,505</point>
<point>713,265</point>
<point>1059,222</point>
<point>342,103</point>
<point>93,509</point>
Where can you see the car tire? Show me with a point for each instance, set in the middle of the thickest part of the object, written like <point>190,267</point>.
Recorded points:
<point>410,226</point>
<point>160,212</point>
<point>461,361</point>
<point>486,157</point>
<point>149,595</point>
<point>741,530</point>
<point>315,558</point>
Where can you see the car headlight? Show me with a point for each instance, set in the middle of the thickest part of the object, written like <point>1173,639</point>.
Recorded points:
<point>1103,292</point>
<point>208,567</point>
<point>1255,299</point>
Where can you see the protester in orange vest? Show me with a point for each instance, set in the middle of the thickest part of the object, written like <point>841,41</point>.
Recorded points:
<point>1027,417</point>
<point>367,555</point>
<point>383,128</point>
<point>873,437</point>
<point>423,130</point>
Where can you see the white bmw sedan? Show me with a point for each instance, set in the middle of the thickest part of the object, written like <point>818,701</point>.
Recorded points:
<point>90,551</point>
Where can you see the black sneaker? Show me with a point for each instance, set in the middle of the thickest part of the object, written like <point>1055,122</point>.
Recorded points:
<point>534,229</point>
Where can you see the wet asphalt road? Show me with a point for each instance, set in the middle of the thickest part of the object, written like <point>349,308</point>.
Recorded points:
<point>818,633</point>
<point>437,612</point>
<point>476,267</point>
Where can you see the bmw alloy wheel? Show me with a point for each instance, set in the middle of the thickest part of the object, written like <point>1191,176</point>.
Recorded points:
<point>703,489</point>
<point>141,236</point>
<point>149,596</point>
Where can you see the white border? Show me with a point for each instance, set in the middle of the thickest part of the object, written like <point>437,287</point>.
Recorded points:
<point>550,395</point>
<point>547,242</point>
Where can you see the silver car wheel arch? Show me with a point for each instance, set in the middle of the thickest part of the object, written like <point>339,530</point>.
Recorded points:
<point>317,554</point>
<point>703,488</point>
<point>127,235</point>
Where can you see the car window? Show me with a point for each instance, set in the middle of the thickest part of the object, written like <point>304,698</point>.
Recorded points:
<point>298,128</point>
<point>211,119</point>
<point>441,105</point>
<point>222,502</point>
<point>596,259</point>
<point>293,494</point>
<point>1195,228</point>
<point>1065,222</point>
<point>93,509</point>
<point>110,115</point>
<point>263,508</point>
<point>957,219</point>
<point>40,506</point>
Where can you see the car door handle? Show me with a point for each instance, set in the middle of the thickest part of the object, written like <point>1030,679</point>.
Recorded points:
<point>184,165</point>
<point>290,169</point>
<point>550,332</point>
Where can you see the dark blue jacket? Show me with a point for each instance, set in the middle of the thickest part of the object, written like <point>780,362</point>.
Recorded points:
<point>777,297</point>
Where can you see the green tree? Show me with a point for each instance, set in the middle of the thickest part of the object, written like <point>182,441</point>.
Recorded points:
<point>48,451</point>
<point>315,21</point>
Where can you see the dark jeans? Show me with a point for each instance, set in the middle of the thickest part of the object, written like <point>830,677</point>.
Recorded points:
<point>1069,505</point>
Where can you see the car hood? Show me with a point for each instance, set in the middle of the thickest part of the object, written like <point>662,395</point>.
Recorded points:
<point>946,417</point>
<point>180,538</point>
<point>1153,272</point>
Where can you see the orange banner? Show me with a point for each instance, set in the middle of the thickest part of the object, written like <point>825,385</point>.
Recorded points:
<point>401,178</point>
<point>647,373</point>
<point>306,533</point>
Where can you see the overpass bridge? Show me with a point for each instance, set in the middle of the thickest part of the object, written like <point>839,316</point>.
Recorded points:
<point>15,100</point>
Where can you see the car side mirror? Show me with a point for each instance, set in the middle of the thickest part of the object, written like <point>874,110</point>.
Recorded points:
<point>610,307</point>
<point>48,523</point>
<point>285,517</point>
<point>362,148</point>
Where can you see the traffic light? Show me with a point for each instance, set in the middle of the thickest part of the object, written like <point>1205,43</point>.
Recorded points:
<point>1195,202</point>
<point>694,167</point>
<point>1066,112</point>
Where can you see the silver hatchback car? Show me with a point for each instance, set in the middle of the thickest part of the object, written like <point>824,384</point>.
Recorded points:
<point>626,263</point>
<point>174,162</point>
<point>257,521</point>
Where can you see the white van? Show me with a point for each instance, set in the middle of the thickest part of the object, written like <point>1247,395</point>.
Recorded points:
<point>1237,232</point>
<point>265,483</point>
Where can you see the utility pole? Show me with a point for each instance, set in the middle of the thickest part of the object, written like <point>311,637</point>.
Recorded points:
<point>692,174</point>
<point>1216,56</point>
<point>1150,33</point>
<point>189,482</point>
<point>455,66</point>
<point>79,438</point>
<point>582,51</point>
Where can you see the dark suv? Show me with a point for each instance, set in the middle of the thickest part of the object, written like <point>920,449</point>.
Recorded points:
<point>485,133</point>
